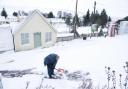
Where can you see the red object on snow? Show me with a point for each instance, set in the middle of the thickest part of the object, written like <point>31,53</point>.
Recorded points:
<point>60,70</point>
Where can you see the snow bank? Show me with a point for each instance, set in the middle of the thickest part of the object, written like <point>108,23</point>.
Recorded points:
<point>6,41</point>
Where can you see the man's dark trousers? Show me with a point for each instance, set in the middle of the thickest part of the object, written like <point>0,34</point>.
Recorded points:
<point>50,68</point>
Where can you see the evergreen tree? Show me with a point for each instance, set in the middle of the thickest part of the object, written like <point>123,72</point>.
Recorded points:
<point>4,13</point>
<point>104,18</point>
<point>92,18</point>
<point>86,20</point>
<point>15,14</point>
<point>109,19</point>
<point>50,15</point>
<point>97,18</point>
<point>126,18</point>
<point>68,20</point>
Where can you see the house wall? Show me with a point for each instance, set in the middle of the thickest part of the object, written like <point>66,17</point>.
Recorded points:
<point>6,42</point>
<point>34,24</point>
<point>123,29</point>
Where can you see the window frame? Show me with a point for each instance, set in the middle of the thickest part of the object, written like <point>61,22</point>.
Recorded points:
<point>24,38</point>
<point>48,36</point>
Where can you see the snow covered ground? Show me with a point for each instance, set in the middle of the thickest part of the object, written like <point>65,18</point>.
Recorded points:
<point>91,55</point>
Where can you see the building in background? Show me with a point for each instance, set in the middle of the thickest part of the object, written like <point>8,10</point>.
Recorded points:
<point>32,32</point>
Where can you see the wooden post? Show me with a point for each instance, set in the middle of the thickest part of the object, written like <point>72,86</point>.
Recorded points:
<point>1,85</point>
<point>76,34</point>
<point>94,11</point>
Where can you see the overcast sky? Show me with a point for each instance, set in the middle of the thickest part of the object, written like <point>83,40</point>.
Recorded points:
<point>114,8</point>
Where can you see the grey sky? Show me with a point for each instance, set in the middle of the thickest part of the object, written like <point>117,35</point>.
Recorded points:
<point>115,8</point>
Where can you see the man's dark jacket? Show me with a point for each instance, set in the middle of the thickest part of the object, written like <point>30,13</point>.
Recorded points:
<point>50,59</point>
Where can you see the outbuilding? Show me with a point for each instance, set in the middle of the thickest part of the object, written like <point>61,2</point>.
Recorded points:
<point>123,28</point>
<point>35,31</point>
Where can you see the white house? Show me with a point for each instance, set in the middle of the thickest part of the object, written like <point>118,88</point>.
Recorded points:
<point>33,32</point>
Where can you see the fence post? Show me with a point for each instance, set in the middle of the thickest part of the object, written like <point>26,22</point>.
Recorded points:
<point>1,85</point>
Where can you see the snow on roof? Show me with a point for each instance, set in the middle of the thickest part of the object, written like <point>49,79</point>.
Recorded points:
<point>56,20</point>
<point>15,26</point>
<point>84,30</point>
<point>61,28</point>
<point>59,25</point>
<point>124,22</point>
<point>6,42</point>
<point>64,34</point>
<point>4,26</point>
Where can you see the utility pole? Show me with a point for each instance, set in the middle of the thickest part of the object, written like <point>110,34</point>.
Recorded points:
<point>76,34</point>
<point>93,20</point>
<point>94,7</point>
<point>94,10</point>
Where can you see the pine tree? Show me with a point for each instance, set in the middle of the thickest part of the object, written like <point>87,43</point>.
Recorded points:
<point>92,18</point>
<point>126,18</point>
<point>15,14</point>
<point>86,20</point>
<point>97,18</point>
<point>68,20</point>
<point>104,18</point>
<point>109,19</point>
<point>50,15</point>
<point>4,13</point>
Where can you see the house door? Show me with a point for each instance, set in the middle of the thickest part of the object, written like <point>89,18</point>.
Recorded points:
<point>37,39</point>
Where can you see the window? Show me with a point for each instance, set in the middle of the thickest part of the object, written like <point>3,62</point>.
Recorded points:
<point>24,38</point>
<point>48,36</point>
